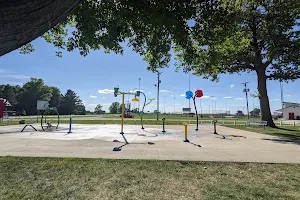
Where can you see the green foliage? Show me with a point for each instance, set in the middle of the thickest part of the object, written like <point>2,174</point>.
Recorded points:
<point>10,93</point>
<point>250,36</point>
<point>24,99</point>
<point>33,91</point>
<point>114,108</point>
<point>71,104</point>
<point>150,27</point>
<point>26,49</point>
<point>55,98</point>
<point>98,109</point>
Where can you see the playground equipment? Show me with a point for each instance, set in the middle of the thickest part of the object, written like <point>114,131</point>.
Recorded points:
<point>215,127</point>
<point>70,125</point>
<point>49,125</point>
<point>164,121</point>
<point>2,107</point>
<point>116,93</point>
<point>145,104</point>
<point>185,124</point>
<point>198,94</point>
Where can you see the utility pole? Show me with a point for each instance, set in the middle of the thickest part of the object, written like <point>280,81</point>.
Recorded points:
<point>246,90</point>
<point>189,90</point>
<point>158,82</point>
<point>200,106</point>
<point>139,97</point>
<point>212,104</point>
<point>281,93</point>
<point>174,105</point>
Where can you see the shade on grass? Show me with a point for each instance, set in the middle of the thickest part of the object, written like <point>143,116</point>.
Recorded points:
<point>74,178</point>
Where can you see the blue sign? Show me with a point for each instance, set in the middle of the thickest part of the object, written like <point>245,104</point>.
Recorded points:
<point>189,94</point>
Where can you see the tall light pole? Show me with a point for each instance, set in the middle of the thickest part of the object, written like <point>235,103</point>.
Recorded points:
<point>174,105</point>
<point>212,103</point>
<point>164,104</point>
<point>139,90</point>
<point>281,93</point>
<point>158,82</point>
<point>246,90</point>
<point>208,109</point>
<point>189,90</point>
<point>200,106</point>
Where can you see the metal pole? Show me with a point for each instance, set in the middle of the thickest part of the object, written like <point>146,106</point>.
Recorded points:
<point>281,93</point>
<point>123,108</point>
<point>139,97</point>
<point>246,90</point>
<point>196,112</point>
<point>158,82</point>
<point>174,105</point>
<point>189,90</point>
<point>164,104</point>
<point>200,106</point>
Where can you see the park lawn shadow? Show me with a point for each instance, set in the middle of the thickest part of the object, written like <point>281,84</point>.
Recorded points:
<point>285,138</point>
<point>285,129</point>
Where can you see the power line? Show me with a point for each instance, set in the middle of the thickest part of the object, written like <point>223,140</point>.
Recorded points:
<point>246,90</point>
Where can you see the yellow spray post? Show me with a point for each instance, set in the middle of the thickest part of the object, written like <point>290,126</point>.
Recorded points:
<point>116,92</point>
<point>185,124</point>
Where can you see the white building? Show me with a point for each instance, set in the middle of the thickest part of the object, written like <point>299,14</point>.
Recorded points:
<point>290,111</point>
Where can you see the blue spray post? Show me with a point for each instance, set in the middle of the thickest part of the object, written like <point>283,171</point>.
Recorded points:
<point>70,126</point>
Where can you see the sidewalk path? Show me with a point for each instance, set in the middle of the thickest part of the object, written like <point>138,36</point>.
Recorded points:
<point>95,141</point>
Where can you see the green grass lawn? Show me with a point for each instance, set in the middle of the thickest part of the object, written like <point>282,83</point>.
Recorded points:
<point>74,178</point>
<point>291,132</point>
<point>177,117</point>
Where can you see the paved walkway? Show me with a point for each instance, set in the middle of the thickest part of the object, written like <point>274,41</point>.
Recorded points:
<point>95,141</point>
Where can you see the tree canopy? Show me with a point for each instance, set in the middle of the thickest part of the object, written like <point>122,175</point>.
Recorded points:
<point>114,108</point>
<point>24,98</point>
<point>209,37</point>
<point>245,36</point>
<point>98,109</point>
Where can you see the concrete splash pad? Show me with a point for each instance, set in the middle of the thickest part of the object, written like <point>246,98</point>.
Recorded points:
<point>96,141</point>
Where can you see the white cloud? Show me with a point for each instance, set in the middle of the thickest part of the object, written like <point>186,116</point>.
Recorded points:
<point>172,95</point>
<point>288,95</point>
<point>149,92</point>
<point>3,70</point>
<point>227,97</point>
<point>92,96</point>
<point>15,76</point>
<point>206,97</point>
<point>182,95</point>
<point>90,107</point>
<point>239,98</point>
<point>165,91</point>
<point>105,91</point>
<point>133,91</point>
<point>103,97</point>
<point>232,85</point>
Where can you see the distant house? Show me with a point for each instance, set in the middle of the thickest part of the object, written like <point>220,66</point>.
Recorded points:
<point>290,111</point>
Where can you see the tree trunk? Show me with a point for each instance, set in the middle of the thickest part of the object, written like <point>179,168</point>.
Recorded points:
<point>263,97</point>
<point>22,21</point>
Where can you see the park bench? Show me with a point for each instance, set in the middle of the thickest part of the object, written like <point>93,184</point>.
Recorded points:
<point>258,123</point>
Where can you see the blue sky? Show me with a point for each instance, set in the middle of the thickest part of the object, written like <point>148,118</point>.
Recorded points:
<point>90,77</point>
